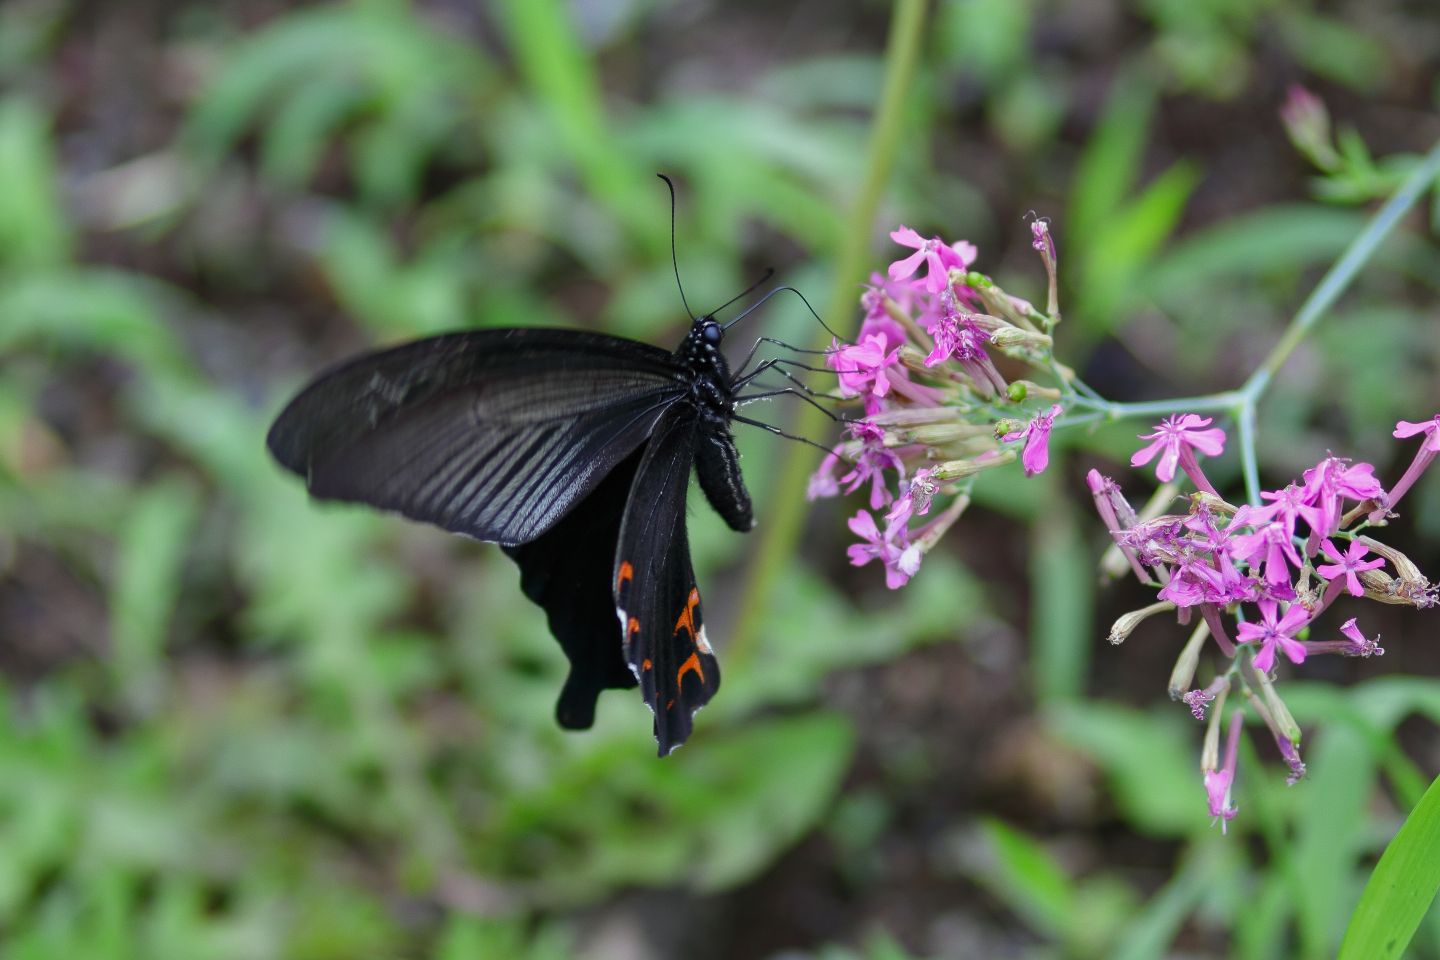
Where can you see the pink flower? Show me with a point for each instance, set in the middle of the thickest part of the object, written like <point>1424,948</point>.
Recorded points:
<point>1429,449</point>
<point>862,366</point>
<point>1355,644</point>
<point>1036,456</point>
<point>877,319</point>
<point>1220,783</point>
<point>1329,481</point>
<point>958,337</point>
<point>1289,505</point>
<point>1116,513</point>
<point>1040,237</point>
<point>1348,566</point>
<point>1198,701</point>
<point>939,257</point>
<point>871,465</point>
<point>822,481</point>
<point>1191,583</point>
<point>1272,633</point>
<point>1431,429</point>
<point>1359,644</point>
<point>901,561</point>
<point>916,499</point>
<point>1290,753</point>
<point>1175,439</point>
<point>1270,547</point>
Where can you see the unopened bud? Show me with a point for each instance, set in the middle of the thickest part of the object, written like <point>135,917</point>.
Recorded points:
<point>1308,124</point>
<point>1127,623</point>
<point>1210,751</point>
<point>1269,705</point>
<point>957,469</point>
<point>1201,501</point>
<point>1404,566</point>
<point>1184,672</point>
<point>1009,337</point>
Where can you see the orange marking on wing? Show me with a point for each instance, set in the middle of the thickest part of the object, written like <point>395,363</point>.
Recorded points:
<point>627,573</point>
<point>634,627</point>
<point>691,663</point>
<point>646,664</point>
<point>669,704</point>
<point>687,616</point>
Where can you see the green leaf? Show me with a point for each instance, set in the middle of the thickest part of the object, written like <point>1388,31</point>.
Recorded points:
<point>1110,163</point>
<point>1153,927</point>
<point>1151,759</point>
<point>153,543</point>
<point>1253,245</point>
<point>1337,50</point>
<point>1330,833</point>
<point>1019,871</point>
<point>1400,889</point>
<point>32,225</point>
<point>549,53</point>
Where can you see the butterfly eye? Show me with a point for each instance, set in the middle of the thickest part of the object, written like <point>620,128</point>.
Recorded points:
<point>711,332</point>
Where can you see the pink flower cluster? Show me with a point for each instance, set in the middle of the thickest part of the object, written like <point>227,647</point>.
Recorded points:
<point>1256,577</point>
<point>923,364</point>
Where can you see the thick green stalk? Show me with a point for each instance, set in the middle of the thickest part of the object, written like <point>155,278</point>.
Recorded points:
<point>777,540</point>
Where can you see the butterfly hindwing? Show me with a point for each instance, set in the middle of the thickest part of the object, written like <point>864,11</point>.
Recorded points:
<point>566,570</point>
<point>656,597</point>
<point>495,434</point>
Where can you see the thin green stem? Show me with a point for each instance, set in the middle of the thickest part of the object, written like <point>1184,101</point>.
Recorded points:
<point>1242,403</point>
<point>777,542</point>
<point>1148,408</point>
<point>1339,276</point>
<point>1245,420</point>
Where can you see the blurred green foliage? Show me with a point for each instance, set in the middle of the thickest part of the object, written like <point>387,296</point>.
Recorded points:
<point>302,731</point>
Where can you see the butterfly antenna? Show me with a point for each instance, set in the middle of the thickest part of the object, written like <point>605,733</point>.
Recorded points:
<point>674,260</point>
<point>769,272</point>
<point>761,302</point>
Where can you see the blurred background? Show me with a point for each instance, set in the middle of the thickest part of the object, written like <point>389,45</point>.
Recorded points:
<point>238,725</point>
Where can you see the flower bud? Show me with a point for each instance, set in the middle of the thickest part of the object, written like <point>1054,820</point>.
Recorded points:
<point>1269,705</point>
<point>1410,587</point>
<point>956,469</point>
<point>1127,623</point>
<point>1017,391</point>
<point>1307,123</point>
<point>1009,337</point>
<point>1184,671</point>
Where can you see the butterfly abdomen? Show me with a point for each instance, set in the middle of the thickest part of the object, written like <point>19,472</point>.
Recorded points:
<point>717,464</point>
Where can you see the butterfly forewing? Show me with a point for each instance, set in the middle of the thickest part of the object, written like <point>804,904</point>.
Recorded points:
<point>656,597</point>
<point>495,433</point>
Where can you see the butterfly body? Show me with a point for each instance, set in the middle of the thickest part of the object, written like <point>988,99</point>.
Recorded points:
<point>573,451</point>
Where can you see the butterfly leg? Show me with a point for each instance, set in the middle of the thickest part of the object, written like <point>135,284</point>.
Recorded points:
<point>768,394</point>
<point>779,343</point>
<point>778,432</point>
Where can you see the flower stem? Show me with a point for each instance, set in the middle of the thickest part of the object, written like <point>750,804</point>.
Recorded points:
<point>1242,403</point>
<point>1350,263</point>
<point>777,542</point>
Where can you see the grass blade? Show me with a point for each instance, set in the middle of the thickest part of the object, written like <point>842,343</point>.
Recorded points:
<point>1401,889</point>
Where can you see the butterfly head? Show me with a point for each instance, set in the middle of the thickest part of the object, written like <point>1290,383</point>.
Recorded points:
<point>707,331</point>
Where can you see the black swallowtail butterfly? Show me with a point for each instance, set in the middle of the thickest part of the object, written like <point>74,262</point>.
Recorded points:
<point>573,451</point>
